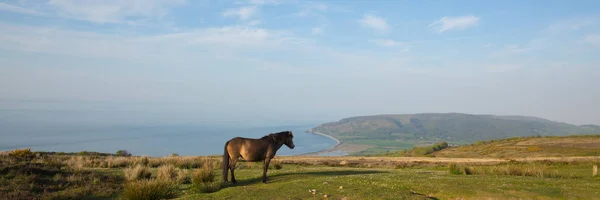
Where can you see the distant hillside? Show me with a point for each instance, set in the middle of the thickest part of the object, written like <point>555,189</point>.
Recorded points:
<point>449,127</point>
<point>554,146</point>
<point>388,131</point>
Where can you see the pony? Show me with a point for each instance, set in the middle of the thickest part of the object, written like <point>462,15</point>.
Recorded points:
<point>254,150</point>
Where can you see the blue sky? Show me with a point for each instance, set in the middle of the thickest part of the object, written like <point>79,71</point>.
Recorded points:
<point>302,61</point>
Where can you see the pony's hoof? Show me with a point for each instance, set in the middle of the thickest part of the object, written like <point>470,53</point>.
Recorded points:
<point>234,182</point>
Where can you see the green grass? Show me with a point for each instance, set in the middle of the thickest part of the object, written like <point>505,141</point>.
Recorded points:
<point>383,146</point>
<point>76,177</point>
<point>294,182</point>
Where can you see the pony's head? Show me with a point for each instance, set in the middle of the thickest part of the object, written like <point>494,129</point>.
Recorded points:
<point>288,139</point>
<point>285,137</point>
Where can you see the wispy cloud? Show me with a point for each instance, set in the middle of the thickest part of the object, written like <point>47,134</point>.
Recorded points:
<point>386,42</point>
<point>113,11</point>
<point>571,25</point>
<point>374,22</point>
<point>243,13</point>
<point>307,9</point>
<point>593,39</point>
<point>455,23</point>
<point>59,41</point>
<point>16,9</point>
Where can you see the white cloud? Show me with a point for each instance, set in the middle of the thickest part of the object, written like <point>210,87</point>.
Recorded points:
<point>571,25</point>
<point>386,42</point>
<point>455,23</point>
<point>17,9</point>
<point>309,8</point>
<point>113,11</point>
<point>374,22</point>
<point>593,39</point>
<point>243,13</point>
<point>87,44</point>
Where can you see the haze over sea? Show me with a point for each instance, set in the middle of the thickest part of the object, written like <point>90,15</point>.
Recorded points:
<point>108,129</point>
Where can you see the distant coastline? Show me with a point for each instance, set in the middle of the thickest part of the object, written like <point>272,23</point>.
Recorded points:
<point>338,143</point>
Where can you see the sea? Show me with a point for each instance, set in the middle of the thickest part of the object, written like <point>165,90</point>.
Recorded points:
<point>38,131</point>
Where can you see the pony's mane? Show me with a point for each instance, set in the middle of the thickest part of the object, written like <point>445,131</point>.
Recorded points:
<point>282,132</point>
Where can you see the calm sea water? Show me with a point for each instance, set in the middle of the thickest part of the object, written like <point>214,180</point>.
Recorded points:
<point>24,130</point>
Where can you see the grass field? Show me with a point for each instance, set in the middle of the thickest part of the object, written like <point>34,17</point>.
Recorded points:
<point>556,168</point>
<point>340,177</point>
<point>295,181</point>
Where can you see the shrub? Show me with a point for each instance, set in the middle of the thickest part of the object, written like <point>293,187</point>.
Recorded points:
<point>468,170</point>
<point>183,177</point>
<point>525,170</point>
<point>454,169</point>
<point>167,173</point>
<point>150,190</point>
<point>137,173</point>
<point>175,155</point>
<point>22,154</point>
<point>117,162</point>
<point>144,160</point>
<point>123,153</point>
<point>204,175</point>
<point>203,180</point>
<point>275,164</point>
<point>76,163</point>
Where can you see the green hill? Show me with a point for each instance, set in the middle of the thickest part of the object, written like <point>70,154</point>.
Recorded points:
<point>552,146</point>
<point>387,132</point>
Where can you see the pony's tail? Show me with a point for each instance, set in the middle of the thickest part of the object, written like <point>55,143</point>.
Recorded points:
<point>225,162</point>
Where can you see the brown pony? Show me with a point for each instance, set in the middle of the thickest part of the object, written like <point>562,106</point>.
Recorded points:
<point>254,150</point>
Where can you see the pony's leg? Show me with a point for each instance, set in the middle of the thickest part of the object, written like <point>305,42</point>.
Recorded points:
<point>232,168</point>
<point>266,166</point>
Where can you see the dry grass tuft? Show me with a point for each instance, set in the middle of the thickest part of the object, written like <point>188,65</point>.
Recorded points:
<point>138,172</point>
<point>170,173</point>
<point>203,180</point>
<point>150,190</point>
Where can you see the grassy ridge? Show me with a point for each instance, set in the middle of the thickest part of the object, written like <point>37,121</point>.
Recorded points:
<point>582,145</point>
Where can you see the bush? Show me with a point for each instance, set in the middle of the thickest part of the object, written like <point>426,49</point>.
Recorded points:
<point>275,165</point>
<point>137,173</point>
<point>183,177</point>
<point>203,180</point>
<point>167,173</point>
<point>454,169</point>
<point>170,173</point>
<point>525,170</point>
<point>150,190</point>
<point>117,162</point>
<point>204,175</point>
<point>144,160</point>
<point>123,153</point>
<point>22,154</point>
